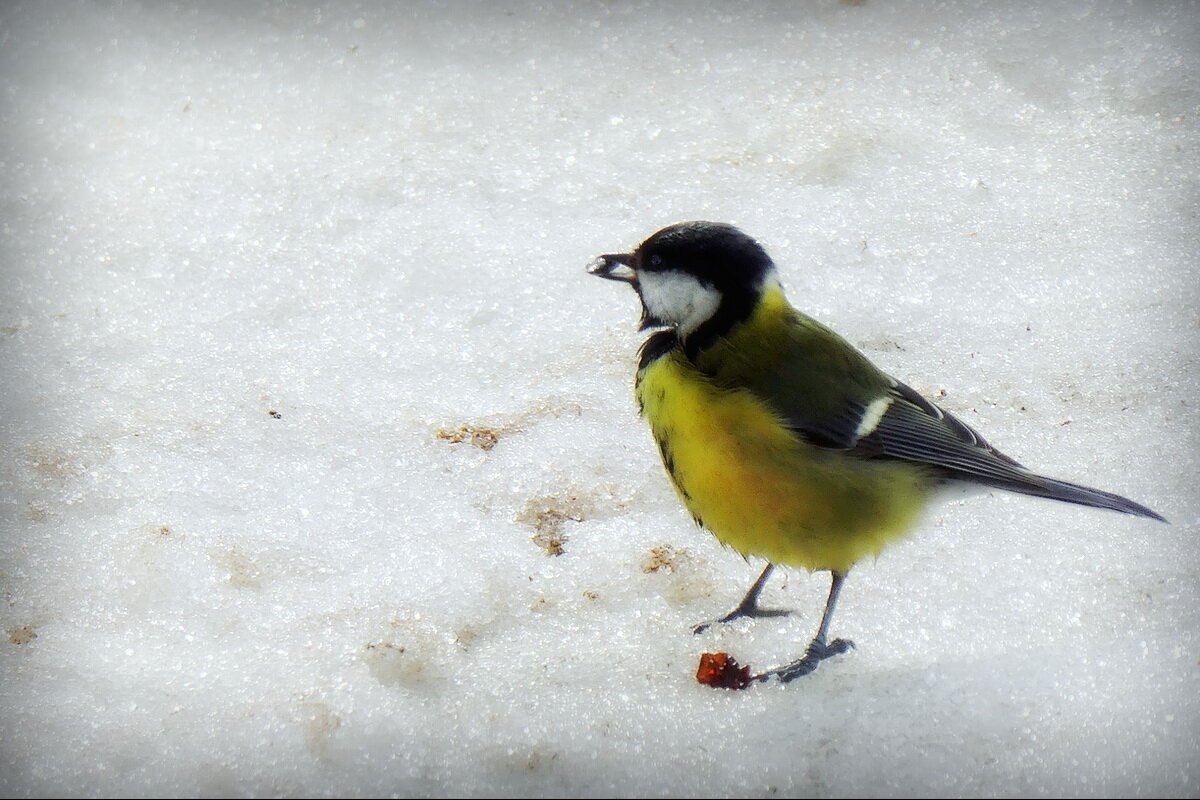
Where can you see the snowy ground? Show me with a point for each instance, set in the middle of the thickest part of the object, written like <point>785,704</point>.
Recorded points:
<point>304,380</point>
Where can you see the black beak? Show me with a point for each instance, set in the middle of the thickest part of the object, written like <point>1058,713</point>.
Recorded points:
<point>615,267</point>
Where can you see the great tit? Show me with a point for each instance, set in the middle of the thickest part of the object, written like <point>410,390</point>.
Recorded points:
<point>780,437</point>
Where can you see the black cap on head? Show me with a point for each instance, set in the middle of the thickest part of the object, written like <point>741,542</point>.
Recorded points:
<point>698,278</point>
<point>719,255</point>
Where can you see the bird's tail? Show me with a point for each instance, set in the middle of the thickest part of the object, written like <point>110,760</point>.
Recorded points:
<point>1041,486</point>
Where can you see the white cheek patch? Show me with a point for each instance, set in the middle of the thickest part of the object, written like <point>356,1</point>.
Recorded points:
<point>679,299</point>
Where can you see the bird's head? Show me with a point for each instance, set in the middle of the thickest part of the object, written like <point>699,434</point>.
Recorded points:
<point>692,275</point>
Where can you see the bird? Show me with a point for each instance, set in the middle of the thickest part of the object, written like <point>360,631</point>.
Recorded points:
<point>780,437</point>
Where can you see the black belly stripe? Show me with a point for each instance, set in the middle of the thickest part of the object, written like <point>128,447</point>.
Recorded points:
<point>667,456</point>
<point>655,347</point>
<point>668,459</point>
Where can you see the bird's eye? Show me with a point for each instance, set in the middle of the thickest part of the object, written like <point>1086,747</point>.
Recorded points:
<point>655,261</point>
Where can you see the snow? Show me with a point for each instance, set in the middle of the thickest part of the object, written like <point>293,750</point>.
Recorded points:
<point>305,381</point>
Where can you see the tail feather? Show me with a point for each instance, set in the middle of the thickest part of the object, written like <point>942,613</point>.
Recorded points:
<point>1041,486</point>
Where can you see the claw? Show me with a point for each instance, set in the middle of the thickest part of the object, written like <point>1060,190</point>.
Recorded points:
<point>753,612</point>
<point>817,652</point>
<point>748,607</point>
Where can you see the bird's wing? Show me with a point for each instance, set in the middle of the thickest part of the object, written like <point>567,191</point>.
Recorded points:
<point>911,428</point>
<point>875,416</point>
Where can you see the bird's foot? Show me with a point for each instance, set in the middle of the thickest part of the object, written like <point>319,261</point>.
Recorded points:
<point>817,652</point>
<point>751,610</point>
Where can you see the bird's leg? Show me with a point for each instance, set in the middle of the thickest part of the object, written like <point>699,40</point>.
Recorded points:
<point>749,605</point>
<point>818,649</point>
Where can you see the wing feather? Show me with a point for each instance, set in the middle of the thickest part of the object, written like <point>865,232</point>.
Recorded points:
<point>831,395</point>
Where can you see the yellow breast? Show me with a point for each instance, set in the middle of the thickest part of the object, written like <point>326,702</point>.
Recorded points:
<point>762,490</point>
